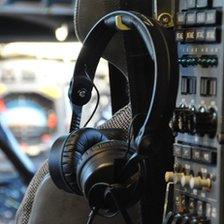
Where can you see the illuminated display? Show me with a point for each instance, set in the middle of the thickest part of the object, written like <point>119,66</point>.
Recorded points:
<point>31,117</point>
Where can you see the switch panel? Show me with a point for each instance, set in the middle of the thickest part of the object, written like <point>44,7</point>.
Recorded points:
<point>197,122</point>
<point>188,85</point>
<point>208,86</point>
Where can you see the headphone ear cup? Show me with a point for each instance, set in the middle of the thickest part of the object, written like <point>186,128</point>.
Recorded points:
<point>68,153</point>
<point>115,133</point>
<point>54,162</point>
<point>97,164</point>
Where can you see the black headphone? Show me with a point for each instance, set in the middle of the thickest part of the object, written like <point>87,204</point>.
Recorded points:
<point>87,162</point>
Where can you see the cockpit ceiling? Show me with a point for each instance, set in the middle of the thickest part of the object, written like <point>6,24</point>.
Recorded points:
<point>36,20</point>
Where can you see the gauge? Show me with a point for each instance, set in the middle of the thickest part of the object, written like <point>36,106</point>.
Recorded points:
<point>31,117</point>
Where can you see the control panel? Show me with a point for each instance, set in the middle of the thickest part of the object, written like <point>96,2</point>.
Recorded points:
<point>198,175</point>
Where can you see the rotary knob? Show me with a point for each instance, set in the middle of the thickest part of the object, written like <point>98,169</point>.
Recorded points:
<point>206,122</point>
<point>185,180</point>
<point>199,183</point>
<point>173,177</point>
<point>166,19</point>
<point>169,177</point>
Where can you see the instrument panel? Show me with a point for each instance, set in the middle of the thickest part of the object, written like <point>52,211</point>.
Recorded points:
<point>198,118</point>
<point>30,116</point>
<point>32,101</point>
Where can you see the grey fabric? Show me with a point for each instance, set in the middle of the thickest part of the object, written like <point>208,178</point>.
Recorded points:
<point>52,205</point>
<point>25,208</point>
<point>27,212</point>
<point>121,119</point>
<point>87,13</point>
<point>67,208</point>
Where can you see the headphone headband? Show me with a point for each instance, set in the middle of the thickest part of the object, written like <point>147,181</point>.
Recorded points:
<point>154,38</point>
<point>87,162</point>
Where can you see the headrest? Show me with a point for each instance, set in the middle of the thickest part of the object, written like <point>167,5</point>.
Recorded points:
<point>87,13</point>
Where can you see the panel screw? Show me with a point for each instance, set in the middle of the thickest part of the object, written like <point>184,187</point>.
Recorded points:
<point>82,93</point>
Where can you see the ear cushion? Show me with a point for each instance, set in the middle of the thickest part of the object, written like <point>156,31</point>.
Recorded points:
<point>90,168</point>
<point>76,144</point>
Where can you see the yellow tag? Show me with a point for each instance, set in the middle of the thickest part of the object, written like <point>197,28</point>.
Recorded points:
<point>119,24</point>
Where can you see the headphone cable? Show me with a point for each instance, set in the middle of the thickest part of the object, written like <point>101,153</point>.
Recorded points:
<point>97,102</point>
<point>92,215</point>
<point>120,208</point>
<point>130,134</point>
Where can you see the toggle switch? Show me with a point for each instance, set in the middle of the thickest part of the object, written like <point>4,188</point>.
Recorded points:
<point>186,220</point>
<point>177,219</point>
<point>206,121</point>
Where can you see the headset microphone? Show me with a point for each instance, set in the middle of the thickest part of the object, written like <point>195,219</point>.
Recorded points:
<point>108,172</point>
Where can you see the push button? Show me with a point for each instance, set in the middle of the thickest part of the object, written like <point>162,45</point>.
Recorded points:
<point>191,18</point>
<point>191,4</point>
<point>186,152</point>
<point>190,35</point>
<point>201,17</point>
<point>211,17</point>
<point>203,3</point>
<point>180,36</point>
<point>200,34</point>
<point>208,157</point>
<point>211,35</point>
<point>177,151</point>
<point>196,154</point>
<point>180,18</point>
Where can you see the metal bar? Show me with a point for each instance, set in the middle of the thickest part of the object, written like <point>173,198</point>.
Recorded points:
<point>12,150</point>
